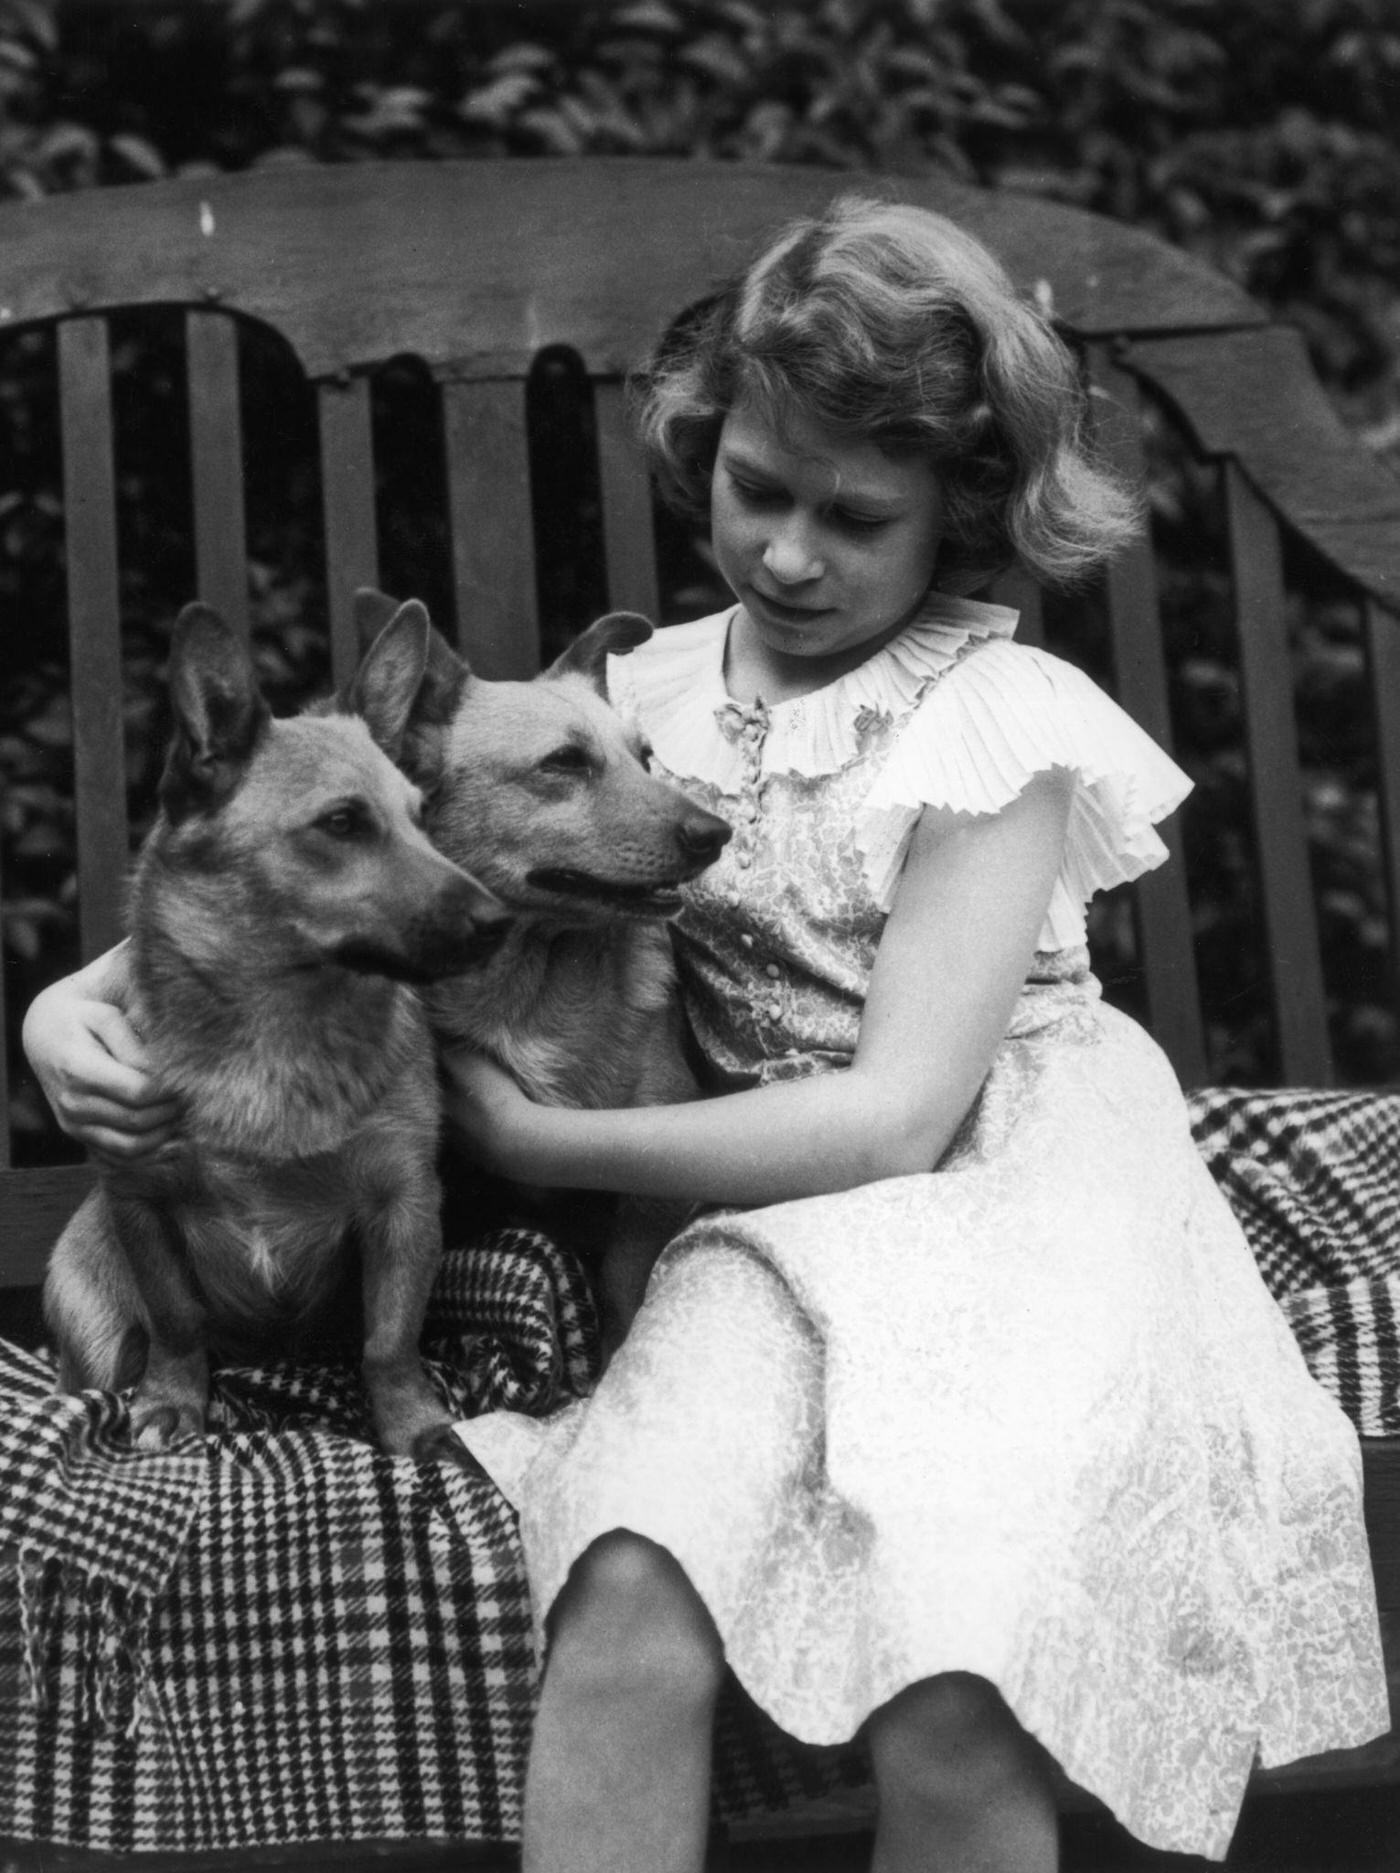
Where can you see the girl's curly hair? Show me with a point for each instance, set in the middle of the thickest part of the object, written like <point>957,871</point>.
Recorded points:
<point>887,323</point>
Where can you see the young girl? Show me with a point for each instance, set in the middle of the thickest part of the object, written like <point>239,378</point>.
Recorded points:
<point>960,1417</point>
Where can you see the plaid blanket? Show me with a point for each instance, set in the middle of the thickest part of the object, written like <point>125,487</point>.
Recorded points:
<point>276,1634</point>
<point>1314,1178</point>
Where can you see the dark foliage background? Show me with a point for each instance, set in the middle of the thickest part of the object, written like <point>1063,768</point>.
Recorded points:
<point>1261,136</point>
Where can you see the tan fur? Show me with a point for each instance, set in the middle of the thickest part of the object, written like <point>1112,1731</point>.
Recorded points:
<point>282,905</point>
<point>540,790</point>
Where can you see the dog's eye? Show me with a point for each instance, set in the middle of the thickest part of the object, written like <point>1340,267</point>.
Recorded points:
<point>572,758</point>
<point>346,821</point>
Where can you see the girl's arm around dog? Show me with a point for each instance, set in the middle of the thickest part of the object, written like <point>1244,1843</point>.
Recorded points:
<point>952,960</point>
<point>91,1063</point>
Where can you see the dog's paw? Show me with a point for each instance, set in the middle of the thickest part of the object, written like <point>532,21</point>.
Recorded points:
<point>158,1426</point>
<point>441,1444</point>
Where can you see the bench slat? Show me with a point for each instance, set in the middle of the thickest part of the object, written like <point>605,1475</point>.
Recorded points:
<point>1163,912</point>
<point>1381,632</point>
<point>493,545</point>
<point>1276,792</point>
<point>216,465</point>
<point>629,542</point>
<point>94,628</point>
<point>347,498</point>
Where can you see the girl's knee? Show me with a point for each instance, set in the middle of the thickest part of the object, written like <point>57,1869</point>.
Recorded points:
<point>629,1623</point>
<point>949,1743</point>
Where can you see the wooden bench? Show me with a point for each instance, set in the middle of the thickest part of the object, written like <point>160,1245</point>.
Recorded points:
<point>523,291</point>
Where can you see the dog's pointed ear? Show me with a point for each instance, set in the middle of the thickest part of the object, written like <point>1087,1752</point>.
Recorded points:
<point>372,609</point>
<point>219,713</point>
<point>410,679</point>
<point>612,635</point>
<point>385,687</point>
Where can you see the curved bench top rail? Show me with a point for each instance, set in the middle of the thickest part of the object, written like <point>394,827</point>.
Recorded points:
<point>359,262</point>
<point>1253,395</point>
<point>615,245</point>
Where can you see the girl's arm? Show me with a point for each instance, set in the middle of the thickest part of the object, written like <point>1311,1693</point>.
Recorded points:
<point>953,958</point>
<point>91,1065</point>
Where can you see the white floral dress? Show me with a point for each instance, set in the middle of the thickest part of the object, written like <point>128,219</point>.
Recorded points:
<point>1032,1414</point>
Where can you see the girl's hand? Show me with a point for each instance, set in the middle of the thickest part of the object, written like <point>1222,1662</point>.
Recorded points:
<point>501,1127</point>
<point>94,1070</point>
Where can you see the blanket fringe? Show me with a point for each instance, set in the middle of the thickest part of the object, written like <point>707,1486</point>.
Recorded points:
<point>110,1625</point>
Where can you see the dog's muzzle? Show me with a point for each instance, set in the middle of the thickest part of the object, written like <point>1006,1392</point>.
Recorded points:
<point>459,932</point>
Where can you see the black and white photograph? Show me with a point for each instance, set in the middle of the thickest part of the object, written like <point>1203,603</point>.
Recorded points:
<point>700,890</point>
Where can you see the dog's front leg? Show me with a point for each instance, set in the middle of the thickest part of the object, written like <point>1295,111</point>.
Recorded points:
<point>172,1393</point>
<point>402,1246</point>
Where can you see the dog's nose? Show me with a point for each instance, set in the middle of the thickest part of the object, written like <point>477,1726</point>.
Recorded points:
<point>477,914</point>
<point>703,837</point>
<point>485,938</point>
<point>469,901</point>
<point>489,923</point>
<point>491,920</point>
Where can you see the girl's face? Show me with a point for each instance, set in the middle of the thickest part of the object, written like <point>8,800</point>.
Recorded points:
<point>828,544</point>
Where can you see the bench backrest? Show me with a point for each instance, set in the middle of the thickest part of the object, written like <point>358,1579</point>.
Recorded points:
<point>477,270</point>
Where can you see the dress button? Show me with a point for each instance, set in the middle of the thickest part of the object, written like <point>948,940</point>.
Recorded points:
<point>771,969</point>
<point>774,1010</point>
<point>743,858</point>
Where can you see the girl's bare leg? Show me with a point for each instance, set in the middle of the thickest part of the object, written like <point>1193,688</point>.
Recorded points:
<point>716,1389</point>
<point>962,1787</point>
<point>620,1765</point>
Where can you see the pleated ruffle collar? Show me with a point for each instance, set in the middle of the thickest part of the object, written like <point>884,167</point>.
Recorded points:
<point>675,685</point>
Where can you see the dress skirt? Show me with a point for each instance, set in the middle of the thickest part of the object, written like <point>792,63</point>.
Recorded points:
<point>1032,1415</point>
